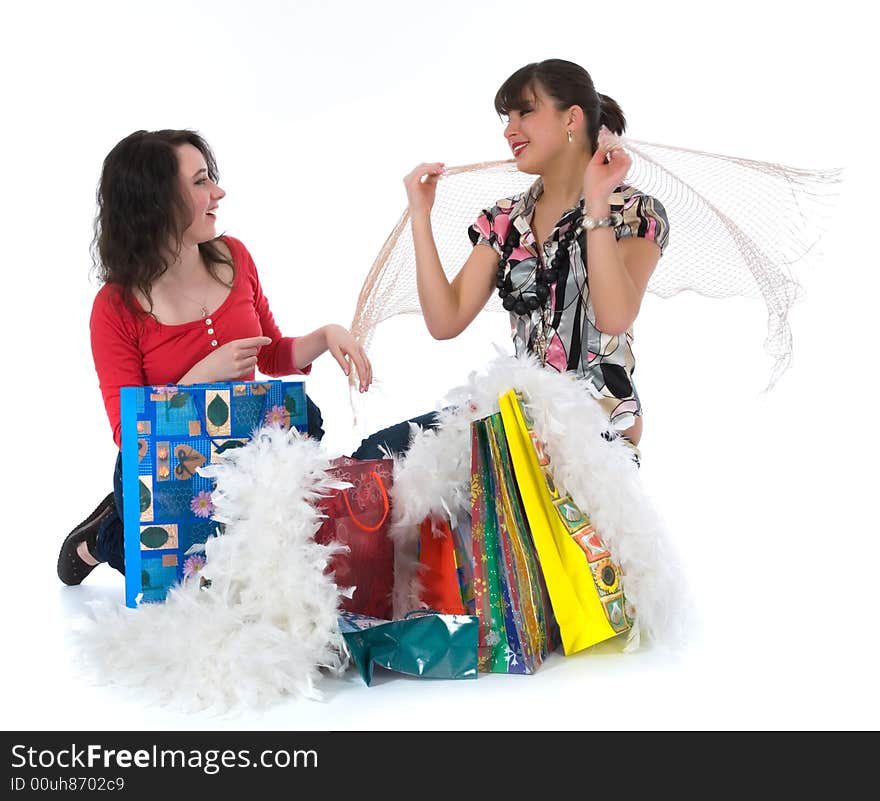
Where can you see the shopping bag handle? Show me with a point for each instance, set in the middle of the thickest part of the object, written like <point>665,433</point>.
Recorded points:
<point>378,479</point>
<point>420,613</point>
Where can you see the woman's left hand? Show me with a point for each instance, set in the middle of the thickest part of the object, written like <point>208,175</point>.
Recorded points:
<point>601,178</point>
<point>347,351</point>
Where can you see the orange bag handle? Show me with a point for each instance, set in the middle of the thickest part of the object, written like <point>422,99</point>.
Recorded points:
<point>378,479</point>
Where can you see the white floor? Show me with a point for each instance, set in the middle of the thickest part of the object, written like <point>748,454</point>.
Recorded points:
<point>787,645</point>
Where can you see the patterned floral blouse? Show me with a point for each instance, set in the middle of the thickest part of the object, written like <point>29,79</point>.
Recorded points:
<point>575,343</point>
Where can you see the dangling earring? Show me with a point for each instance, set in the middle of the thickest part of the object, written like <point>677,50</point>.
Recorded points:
<point>570,136</point>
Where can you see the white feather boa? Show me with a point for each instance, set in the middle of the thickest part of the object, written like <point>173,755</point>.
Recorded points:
<point>268,622</point>
<point>434,479</point>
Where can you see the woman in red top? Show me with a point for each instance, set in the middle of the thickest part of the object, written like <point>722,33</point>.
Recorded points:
<point>179,305</point>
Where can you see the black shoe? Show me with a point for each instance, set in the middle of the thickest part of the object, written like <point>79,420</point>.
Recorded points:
<point>71,568</point>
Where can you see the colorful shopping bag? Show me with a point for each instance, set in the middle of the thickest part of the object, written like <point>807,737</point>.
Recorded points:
<point>583,582</point>
<point>517,629</point>
<point>424,643</point>
<point>168,432</point>
<point>359,517</point>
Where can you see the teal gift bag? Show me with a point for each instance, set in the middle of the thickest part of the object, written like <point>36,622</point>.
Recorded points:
<point>424,643</point>
<point>168,432</point>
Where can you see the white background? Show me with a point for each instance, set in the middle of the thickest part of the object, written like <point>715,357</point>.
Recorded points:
<point>316,111</point>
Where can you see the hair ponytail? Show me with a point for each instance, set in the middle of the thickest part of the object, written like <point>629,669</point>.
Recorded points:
<point>611,115</point>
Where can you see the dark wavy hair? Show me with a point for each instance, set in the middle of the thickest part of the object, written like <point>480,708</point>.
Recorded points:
<point>143,212</point>
<point>569,85</point>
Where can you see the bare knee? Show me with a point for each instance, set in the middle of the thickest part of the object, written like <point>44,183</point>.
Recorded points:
<point>634,432</point>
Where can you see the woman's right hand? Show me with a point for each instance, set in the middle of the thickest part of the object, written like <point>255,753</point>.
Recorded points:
<point>229,362</point>
<point>421,187</point>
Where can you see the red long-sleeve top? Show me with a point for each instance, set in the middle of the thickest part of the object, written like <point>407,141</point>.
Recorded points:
<point>136,350</point>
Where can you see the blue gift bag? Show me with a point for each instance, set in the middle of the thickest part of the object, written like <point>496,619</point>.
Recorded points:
<point>168,432</point>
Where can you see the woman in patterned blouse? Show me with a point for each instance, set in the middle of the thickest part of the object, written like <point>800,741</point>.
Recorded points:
<point>554,117</point>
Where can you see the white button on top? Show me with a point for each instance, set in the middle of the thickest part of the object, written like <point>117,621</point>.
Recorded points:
<point>213,343</point>
<point>208,321</point>
<point>210,330</point>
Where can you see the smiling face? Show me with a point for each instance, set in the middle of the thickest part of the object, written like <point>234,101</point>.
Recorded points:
<point>201,193</point>
<point>537,131</point>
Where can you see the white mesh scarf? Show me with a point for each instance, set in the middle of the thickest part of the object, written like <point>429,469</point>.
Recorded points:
<point>738,227</point>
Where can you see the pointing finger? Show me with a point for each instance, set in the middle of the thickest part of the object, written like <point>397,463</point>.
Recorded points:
<point>254,342</point>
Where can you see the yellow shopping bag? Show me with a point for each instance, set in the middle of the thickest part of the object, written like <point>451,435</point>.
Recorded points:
<point>582,581</point>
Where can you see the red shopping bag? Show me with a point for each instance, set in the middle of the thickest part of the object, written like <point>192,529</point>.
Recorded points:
<point>360,518</point>
<point>441,589</point>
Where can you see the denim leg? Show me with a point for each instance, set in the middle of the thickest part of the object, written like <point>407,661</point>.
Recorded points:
<point>110,544</point>
<point>394,438</point>
<point>315,420</point>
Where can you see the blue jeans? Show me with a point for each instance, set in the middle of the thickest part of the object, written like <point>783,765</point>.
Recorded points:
<point>110,544</point>
<point>394,438</point>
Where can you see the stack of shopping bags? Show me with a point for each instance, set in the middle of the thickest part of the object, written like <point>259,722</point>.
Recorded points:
<point>527,563</point>
<point>583,582</point>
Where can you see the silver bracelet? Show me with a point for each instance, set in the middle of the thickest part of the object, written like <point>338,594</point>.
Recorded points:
<point>611,221</point>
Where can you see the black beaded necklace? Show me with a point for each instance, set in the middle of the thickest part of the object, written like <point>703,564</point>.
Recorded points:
<point>516,299</point>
